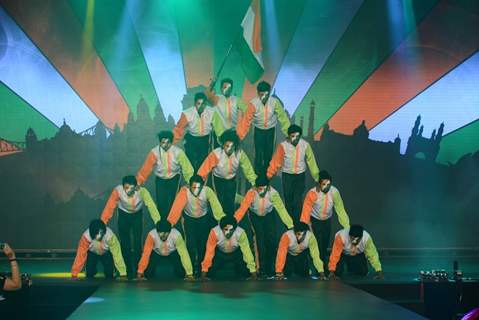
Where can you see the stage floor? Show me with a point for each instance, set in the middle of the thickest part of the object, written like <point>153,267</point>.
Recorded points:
<point>294,299</point>
<point>55,296</point>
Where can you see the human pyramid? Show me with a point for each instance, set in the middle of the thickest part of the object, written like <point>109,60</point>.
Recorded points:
<point>200,230</point>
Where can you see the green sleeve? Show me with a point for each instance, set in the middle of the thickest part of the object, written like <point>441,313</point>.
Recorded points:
<point>282,117</point>
<point>281,210</point>
<point>184,256</point>
<point>214,204</point>
<point>150,204</point>
<point>314,252</point>
<point>340,211</point>
<point>217,124</point>
<point>311,161</point>
<point>115,250</point>
<point>372,255</point>
<point>186,167</point>
<point>247,254</point>
<point>247,168</point>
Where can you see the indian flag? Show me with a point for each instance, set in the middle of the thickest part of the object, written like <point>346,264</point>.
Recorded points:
<point>250,44</point>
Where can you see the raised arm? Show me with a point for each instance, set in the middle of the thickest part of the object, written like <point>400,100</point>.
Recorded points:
<point>110,206</point>
<point>177,207</point>
<point>312,164</point>
<point>308,207</point>
<point>247,168</point>
<point>150,204</point>
<point>214,204</point>
<point>340,211</point>
<point>276,161</point>
<point>145,170</point>
<point>281,210</point>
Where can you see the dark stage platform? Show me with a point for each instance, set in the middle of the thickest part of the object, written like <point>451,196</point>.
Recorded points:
<point>398,296</point>
<point>237,300</point>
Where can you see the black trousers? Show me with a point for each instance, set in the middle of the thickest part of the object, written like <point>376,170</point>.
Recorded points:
<point>264,141</point>
<point>130,228</point>
<point>298,265</point>
<point>357,265</point>
<point>221,259</point>
<point>293,191</point>
<point>106,259</point>
<point>322,232</point>
<point>196,235</point>
<point>197,149</point>
<point>265,231</point>
<point>173,260</point>
<point>166,190</point>
<point>226,191</point>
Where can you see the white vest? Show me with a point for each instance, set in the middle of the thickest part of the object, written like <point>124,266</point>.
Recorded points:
<point>324,204</point>
<point>165,248</point>
<point>261,206</point>
<point>347,246</point>
<point>227,245</point>
<point>128,204</point>
<point>227,166</point>
<point>167,165</point>
<point>264,116</point>
<point>199,126</point>
<point>228,109</point>
<point>295,248</point>
<point>196,207</point>
<point>99,247</point>
<point>294,157</point>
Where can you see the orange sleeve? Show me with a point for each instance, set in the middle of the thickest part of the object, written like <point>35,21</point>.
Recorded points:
<point>81,256</point>
<point>110,206</point>
<point>211,95</point>
<point>145,257</point>
<point>282,252</point>
<point>177,207</point>
<point>210,252</point>
<point>308,207</point>
<point>245,204</point>
<point>243,126</point>
<point>210,162</point>
<point>276,162</point>
<point>146,169</point>
<point>179,130</point>
<point>335,253</point>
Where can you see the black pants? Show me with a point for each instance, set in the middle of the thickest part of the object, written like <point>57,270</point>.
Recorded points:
<point>265,231</point>
<point>173,259</point>
<point>293,191</point>
<point>226,192</point>
<point>322,232</point>
<point>236,258</point>
<point>357,265</point>
<point>130,228</point>
<point>197,149</point>
<point>107,261</point>
<point>196,235</point>
<point>264,141</point>
<point>166,190</point>
<point>297,264</point>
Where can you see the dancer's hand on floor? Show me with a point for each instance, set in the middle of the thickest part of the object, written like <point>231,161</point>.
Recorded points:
<point>189,278</point>
<point>253,276</point>
<point>333,276</point>
<point>322,276</point>
<point>279,276</point>
<point>204,277</point>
